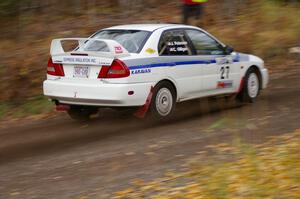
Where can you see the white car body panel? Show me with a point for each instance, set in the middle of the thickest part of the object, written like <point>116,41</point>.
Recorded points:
<point>193,76</point>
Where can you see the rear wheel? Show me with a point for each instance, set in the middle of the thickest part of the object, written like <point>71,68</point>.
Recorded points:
<point>251,87</point>
<point>163,101</point>
<point>81,113</point>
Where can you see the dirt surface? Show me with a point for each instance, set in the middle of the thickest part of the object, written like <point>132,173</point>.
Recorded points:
<point>59,158</point>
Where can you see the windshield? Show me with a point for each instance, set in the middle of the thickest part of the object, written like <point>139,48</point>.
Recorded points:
<point>131,40</point>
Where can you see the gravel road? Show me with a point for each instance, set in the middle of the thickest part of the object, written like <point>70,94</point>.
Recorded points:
<point>59,158</point>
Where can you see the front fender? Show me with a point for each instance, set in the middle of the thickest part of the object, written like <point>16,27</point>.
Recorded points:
<point>248,61</point>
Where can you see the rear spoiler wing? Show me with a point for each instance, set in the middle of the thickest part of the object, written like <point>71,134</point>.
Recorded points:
<point>80,55</point>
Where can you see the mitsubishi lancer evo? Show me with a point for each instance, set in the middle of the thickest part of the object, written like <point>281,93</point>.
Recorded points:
<point>149,67</point>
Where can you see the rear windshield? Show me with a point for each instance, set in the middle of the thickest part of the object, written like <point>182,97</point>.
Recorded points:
<point>132,40</point>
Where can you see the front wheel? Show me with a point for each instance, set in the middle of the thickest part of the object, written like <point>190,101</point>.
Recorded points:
<point>163,101</point>
<point>251,87</point>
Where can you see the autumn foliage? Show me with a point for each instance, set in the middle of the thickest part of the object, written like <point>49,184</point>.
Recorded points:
<point>266,28</point>
<point>270,170</point>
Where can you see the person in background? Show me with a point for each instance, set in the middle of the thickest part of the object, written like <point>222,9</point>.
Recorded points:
<point>192,8</point>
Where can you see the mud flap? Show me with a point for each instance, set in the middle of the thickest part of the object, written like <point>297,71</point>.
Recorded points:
<point>242,84</point>
<point>141,112</point>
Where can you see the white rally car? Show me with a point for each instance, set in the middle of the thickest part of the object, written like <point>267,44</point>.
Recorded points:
<point>150,67</point>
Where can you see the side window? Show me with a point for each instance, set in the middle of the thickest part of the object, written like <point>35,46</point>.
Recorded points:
<point>204,44</point>
<point>174,42</point>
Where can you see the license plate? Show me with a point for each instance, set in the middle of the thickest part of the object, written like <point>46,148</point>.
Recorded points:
<point>81,71</point>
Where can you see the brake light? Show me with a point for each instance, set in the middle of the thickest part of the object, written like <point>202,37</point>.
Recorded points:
<point>118,69</point>
<point>55,69</point>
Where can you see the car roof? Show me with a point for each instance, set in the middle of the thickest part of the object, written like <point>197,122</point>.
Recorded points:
<point>147,27</point>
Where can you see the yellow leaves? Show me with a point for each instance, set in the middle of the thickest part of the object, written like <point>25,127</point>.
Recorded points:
<point>130,153</point>
<point>193,194</point>
<point>23,71</point>
<point>123,194</point>
<point>153,146</point>
<point>151,186</point>
<point>265,171</point>
<point>14,194</point>
<point>138,183</point>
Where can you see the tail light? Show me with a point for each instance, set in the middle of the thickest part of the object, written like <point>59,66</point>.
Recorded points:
<point>117,69</point>
<point>55,69</point>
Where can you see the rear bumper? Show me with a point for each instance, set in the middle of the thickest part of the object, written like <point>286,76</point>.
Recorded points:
<point>102,94</point>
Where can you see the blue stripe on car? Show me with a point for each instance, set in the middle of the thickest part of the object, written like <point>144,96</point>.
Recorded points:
<point>169,64</point>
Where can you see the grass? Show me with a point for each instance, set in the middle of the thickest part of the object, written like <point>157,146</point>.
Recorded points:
<point>268,31</point>
<point>266,28</point>
<point>33,106</point>
<point>3,110</point>
<point>271,170</point>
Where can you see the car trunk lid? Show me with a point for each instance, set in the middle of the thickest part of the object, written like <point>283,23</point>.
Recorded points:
<point>86,59</point>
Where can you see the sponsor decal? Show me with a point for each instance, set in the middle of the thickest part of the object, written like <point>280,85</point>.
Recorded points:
<point>225,84</point>
<point>140,71</point>
<point>177,43</point>
<point>79,60</point>
<point>178,49</point>
<point>150,51</point>
<point>177,46</point>
<point>222,61</point>
<point>104,63</point>
<point>118,49</point>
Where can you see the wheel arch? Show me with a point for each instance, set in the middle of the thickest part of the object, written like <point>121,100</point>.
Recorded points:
<point>258,72</point>
<point>172,83</point>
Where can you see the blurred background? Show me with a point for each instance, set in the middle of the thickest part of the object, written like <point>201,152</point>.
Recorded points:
<point>267,28</point>
<point>250,151</point>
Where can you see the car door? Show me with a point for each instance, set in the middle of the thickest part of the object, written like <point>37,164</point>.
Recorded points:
<point>175,50</point>
<point>218,76</point>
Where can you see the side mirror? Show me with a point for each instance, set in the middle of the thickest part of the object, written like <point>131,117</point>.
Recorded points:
<point>228,50</point>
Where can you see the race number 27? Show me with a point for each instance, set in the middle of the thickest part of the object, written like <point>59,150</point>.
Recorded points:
<point>225,72</point>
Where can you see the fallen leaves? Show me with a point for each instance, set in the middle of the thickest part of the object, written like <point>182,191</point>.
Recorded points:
<point>269,170</point>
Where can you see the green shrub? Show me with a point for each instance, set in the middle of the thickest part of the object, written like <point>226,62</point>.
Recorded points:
<point>9,7</point>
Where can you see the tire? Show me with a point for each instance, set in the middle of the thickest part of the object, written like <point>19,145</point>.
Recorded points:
<point>163,101</point>
<point>251,87</point>
<point>81,113</point>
